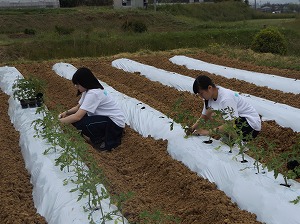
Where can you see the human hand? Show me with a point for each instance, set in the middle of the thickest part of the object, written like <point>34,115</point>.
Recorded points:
<point>63,114</point>
<point>188,130</point>
<point>201,132</point>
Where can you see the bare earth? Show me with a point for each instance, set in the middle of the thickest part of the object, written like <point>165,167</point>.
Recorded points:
<point>141,165</point>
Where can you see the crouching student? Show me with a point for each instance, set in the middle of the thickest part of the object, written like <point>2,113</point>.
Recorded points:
<point>97,115</point>
<point>217,98</point>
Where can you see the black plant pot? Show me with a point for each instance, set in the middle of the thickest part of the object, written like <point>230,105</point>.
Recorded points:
<point>39,102</point>
<point>39,99</point>
<point>32,103</point>
<point>39,96</point>
<point>24,104</point>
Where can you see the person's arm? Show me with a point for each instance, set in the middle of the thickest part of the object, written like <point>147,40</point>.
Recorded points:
<point>209,116</point>
<point>80,113</point>
<point>66,113</point>
<point>214,131</point>
<point>196,125</point>
<point>209,132</point>
<point>205,117</point>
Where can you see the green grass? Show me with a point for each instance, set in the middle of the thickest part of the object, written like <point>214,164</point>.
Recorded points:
<point>263,59</point>
<point>97,31</point>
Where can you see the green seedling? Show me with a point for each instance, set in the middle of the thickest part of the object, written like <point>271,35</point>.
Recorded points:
<point>74,155</point>
<point>293,163</point>
<point>211,125</point>
<point>157,217</point>
<point>242,141</point>
<point>259,153</point>
<point>119,200</point>
<point>182,117</point>
<point>278,162</point>
<point>296,201</point>
<point>27,88</point>
<point>228,135</point>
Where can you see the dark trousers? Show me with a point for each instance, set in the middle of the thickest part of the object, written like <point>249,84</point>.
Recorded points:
<point>100,129</point>
<point>247,131</point>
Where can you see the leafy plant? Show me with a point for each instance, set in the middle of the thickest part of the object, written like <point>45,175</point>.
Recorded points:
<point>210,125</point>
<point>134,26</point>
<point>296,201</point>
<point>241,140</point>
<point>29,31</point>
<point>61,30</point>
<point>228,135</point>
<point>269,40</point>
<point>182,117</point>
<point>258,154</point>
<point>73,154</point>
<point>158,217</point>
<point>277,164</point>
<point>27,88</point>
<point>119,200</point>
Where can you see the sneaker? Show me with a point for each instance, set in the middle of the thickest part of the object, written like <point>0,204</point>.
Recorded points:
<point>100,147</point>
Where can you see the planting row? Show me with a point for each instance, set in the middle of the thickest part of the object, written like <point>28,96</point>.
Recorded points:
<point>62,182</point>
<point>140,126</point>
<point>194,154</point>
<point>285,115</point>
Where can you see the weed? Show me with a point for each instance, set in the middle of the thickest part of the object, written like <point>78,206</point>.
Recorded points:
<point>61,30</point>
<point>134,26</point>
<point>29,31</point>
<point>157,217</point>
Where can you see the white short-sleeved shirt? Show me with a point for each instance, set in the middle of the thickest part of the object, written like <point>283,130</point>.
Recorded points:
<point>240,108</point>
<point>99,102</point>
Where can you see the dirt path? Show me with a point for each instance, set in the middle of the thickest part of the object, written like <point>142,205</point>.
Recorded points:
<point>142,165</point>
<point>16,204</point>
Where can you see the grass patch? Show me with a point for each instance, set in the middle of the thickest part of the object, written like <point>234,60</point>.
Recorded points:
<point>97,31</point>
<point>262,59</point>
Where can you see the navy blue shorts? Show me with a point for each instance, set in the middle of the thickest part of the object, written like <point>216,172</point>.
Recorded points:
<point>247,131</point>
<point>100,129</point>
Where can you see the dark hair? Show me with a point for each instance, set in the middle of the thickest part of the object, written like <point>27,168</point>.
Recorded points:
<point>84,77</point>
<point>202,82</point>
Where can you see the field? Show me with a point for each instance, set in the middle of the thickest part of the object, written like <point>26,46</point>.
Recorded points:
<point>141,165</point>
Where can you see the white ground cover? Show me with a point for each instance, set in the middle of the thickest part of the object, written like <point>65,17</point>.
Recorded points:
<point>52,199</point>
<point>257,193</point>
<point>259,79</point>
<point>284,115</point>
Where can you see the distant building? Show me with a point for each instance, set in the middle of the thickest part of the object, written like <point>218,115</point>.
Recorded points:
<point>29,4</point>
<point>142,3</point>
<point>266,9</point>
<point>130,3</point>
<point>194,1</point>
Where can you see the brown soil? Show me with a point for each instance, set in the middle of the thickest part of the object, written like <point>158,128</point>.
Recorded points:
<point>141,165</point>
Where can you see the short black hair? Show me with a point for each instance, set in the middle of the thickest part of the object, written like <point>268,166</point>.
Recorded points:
<point>202,82</point>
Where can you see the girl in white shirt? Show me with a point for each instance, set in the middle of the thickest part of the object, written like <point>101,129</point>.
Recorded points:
<point>97,115</point>
<point>218,98</point>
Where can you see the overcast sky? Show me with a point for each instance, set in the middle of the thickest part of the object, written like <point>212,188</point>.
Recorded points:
<point>275,1</point>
